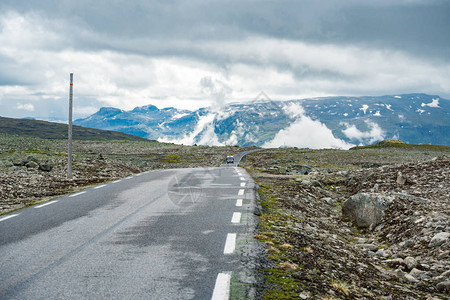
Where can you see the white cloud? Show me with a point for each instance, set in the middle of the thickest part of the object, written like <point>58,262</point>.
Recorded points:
<point>305,133</point>
<point>294,110</point>
<point>123,74</point>
<point>27,107</point>
<point>374,134</point>
<point>434,103</point>
<point>204,124</point>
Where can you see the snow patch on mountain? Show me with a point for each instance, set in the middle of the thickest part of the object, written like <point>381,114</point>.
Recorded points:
<point>434,103</point>
<point>364,108</point>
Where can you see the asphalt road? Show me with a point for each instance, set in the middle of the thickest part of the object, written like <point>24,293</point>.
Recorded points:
<point>166,234</point>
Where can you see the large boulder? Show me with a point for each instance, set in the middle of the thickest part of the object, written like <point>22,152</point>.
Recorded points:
<point>439,239</point>
<point>366,209</point>
<point>303,169</point>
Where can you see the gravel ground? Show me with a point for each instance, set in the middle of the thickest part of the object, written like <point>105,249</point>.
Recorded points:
<point>315,252</point>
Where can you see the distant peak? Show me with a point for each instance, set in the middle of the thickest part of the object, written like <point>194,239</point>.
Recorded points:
<point>109,110</point>
<point>145,108</point>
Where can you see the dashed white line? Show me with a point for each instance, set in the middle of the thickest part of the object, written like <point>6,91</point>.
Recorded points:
<point>45,204</point>
<point>242,184</point>
<point>242,179</point>
<point>241,192</point>
<point>119,180</point>
<point>239,202</point>
<point>100,186</point>
<point>230,243</point>
<point>8,217</point>
<point>222,287</point>
<point>77,194</point>
<point>236,217</point>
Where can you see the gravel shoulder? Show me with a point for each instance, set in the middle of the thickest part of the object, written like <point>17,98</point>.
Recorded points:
<point>314,251</point>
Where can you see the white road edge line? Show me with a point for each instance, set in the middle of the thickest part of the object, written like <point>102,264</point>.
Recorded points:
<point>45,204</point>
<point>119,180</point>
<point>77,194</point>
<point>236,217</point>
<point>222,287</point>
<point>242,184</point>
<point>241,192</point>
<point>230,243</point>
<point>8,217</point>
<point>239,202</point>
<point>100,186</point>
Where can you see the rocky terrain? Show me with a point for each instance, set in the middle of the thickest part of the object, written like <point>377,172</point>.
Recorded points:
<point>320,244</point>
<point>33,169</point>
<point>393,244</point>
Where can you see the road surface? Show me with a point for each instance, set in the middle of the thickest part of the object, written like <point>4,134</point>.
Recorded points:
<point>165,234</point>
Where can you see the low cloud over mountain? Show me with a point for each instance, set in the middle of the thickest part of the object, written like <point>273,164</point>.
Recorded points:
<point>332,122</point>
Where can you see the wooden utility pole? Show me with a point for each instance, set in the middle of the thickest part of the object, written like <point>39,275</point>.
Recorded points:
<point>69,152</point>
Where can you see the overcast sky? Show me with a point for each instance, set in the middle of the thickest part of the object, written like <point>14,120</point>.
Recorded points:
<point>191,54</point>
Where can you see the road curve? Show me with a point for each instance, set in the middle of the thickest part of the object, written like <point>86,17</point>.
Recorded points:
<point>165,234</point>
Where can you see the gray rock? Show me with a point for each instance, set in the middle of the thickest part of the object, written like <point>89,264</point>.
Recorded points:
<point>446,274</point>
<point>368,247</point>
<point>439,239</point>
<point>416,273</point>
<point>406,244</point>
<point>366,209</point>
<point>443,286</point>
<point>32,165</point>
<point>401,179</point>
<point>303,169</point>
<point>394,263</point>
<point>316,183</point>
<point>410,262</point>
<point>45,167</point>
<point>328,200</point>
<point>438,279</point>
<point>410,278</point>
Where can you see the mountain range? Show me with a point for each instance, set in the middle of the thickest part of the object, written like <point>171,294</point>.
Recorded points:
<point>330,122</point>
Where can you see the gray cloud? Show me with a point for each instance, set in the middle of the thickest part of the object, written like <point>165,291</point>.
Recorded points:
<point>140,52</point>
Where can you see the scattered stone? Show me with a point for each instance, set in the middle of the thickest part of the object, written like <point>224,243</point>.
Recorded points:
<point>32,164</point>
<point>328,200</point>
<point>303,169</point>
<point>366,209</point>
<point>410,278</point>
<point>401,179</point>
<point>439,239</point>
<point>416,273</point>
<point>410,262</point>
<point>45,167</point>
<point>368,247</point>
<point>443,286</point>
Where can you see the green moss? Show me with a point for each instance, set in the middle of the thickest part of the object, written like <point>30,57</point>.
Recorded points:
<point>400,144</point>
